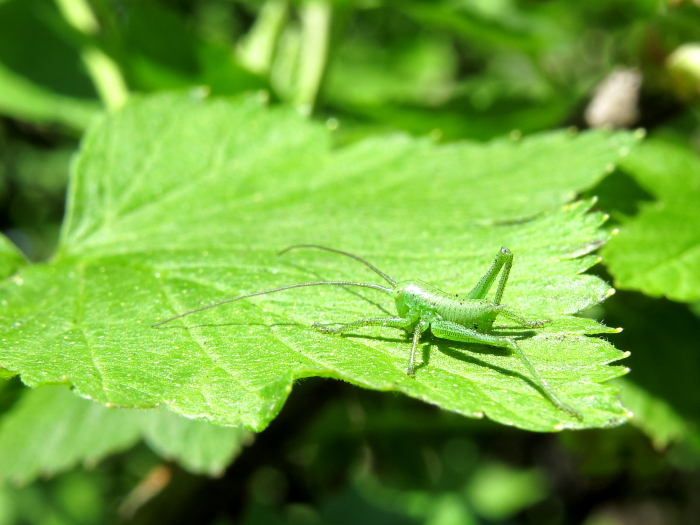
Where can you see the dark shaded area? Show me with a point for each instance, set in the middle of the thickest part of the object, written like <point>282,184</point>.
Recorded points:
<point>663,338</point>
<point>310,462</point>
<point>34,165</point>
<point>49,58</point>
<point>620,196</point>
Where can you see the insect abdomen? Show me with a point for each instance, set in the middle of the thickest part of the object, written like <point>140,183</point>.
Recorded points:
<point>464,311</point>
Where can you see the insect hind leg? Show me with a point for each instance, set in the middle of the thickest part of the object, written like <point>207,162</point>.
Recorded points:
<point>457,332</point>
<point>504,262</point>
<point>539,323</point>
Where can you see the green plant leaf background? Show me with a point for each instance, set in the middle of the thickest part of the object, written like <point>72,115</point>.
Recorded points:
<point>42,80</point>
<point>658,251</point>
<point>177,202</point>
<point>21,99</point>
<point>10,257</point>
<point>82,431</point>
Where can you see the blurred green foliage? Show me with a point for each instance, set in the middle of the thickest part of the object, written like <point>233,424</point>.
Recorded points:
<point>447,69</point>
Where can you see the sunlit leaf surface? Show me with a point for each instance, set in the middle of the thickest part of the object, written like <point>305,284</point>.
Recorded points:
<point>177,202</point>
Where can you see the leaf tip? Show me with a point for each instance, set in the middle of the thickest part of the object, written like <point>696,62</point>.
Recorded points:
<point>626,354</point>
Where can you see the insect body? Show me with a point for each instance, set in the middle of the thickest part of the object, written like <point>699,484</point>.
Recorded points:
<point>421,306</point>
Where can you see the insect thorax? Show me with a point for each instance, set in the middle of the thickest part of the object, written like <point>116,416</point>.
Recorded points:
<point>419,299</point>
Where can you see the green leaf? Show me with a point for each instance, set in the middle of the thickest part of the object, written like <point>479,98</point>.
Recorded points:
<point>482,30</point>
<point>459,120</point>
<point>178,58</point>
<point>50,430</point>
<point>21,99</point>
<point>663,337</point>
<point>42,78</point>
<point>38,177</point>
<point>421,70</point>
<point>656,418</point>
<point>658,251</point>
<point>11,259</point>
<point>197,446</point>
<point>410,78</point>
<point>178,202</point>
<point>50,58</point>
<point>498,492</point>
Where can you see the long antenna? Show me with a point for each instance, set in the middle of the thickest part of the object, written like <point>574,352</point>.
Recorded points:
<point>318,283</point>
<point>347,254</point>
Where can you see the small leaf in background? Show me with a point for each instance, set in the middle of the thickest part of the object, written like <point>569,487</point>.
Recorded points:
<point>179,59</point>
<point>658,251</point>
<point>197,446</point>
<point>663,363</point>
<point>50,430</point>
<point>11,259</point>
<point>42,79</point>
<point>177,202</point>
<point>21,99</point>
<point>49,59</point>
<point>410,79</point>
<point>654,195</point>
<point>36,179</point>
<point>653,415</point>
<point>498,491</point>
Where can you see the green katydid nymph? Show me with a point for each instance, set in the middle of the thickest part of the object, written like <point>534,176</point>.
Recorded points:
<point>421,306</point>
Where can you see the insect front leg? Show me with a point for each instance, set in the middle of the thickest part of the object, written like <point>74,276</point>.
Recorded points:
<point>421,327</point>
<point>456,332</point>
<point>391,322</point>
<point>504,261</point>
